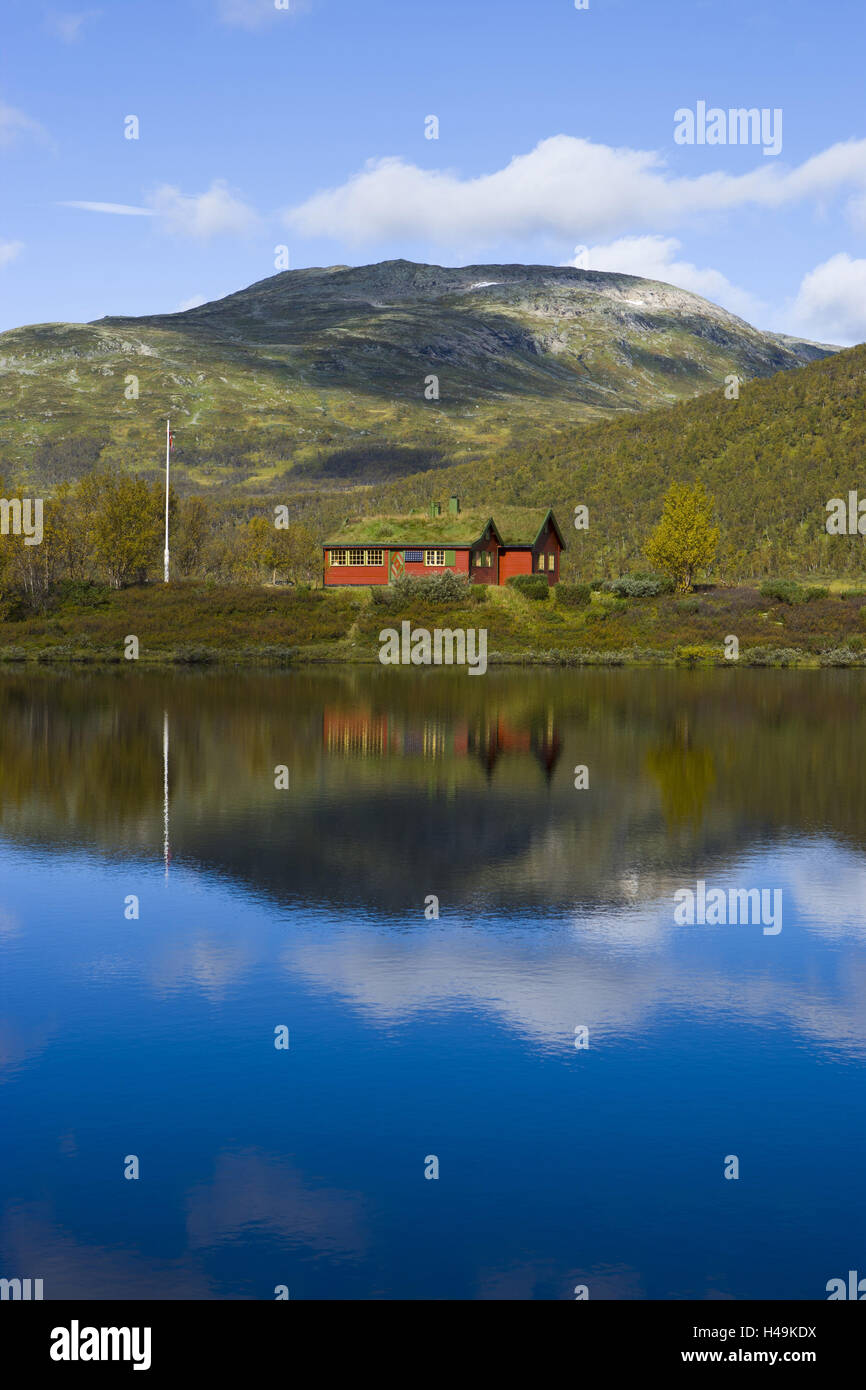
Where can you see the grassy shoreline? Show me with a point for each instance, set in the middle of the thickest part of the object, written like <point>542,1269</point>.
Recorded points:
<point>201,625</point>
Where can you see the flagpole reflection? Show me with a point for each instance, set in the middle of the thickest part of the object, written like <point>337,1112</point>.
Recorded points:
<point>166,847</point>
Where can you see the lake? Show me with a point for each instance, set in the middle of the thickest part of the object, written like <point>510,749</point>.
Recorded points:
<point>240,1052</point>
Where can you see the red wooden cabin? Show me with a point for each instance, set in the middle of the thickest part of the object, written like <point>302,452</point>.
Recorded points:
<point>487,549</point>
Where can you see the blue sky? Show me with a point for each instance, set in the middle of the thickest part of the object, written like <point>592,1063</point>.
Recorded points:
<point>261,128</point>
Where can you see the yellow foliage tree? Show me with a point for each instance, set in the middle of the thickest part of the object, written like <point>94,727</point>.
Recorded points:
<point>685,539</point>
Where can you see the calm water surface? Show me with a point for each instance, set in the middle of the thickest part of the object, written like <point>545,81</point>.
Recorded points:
<point>412,1037</point>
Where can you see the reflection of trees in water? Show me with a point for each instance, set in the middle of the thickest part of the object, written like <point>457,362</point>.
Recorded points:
<point>470,779</point>
<point>685,774</point>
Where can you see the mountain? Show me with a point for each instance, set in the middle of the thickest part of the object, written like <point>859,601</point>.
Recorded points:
<point>771,459</point>
<point>323,372</point>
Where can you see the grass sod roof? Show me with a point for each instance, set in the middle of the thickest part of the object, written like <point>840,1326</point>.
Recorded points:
<point>514,525</point>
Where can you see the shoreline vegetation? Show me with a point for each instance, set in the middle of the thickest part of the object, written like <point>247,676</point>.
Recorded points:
<point>631,621</point>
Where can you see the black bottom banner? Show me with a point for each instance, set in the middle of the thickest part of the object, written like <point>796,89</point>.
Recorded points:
<point>229,1338</point>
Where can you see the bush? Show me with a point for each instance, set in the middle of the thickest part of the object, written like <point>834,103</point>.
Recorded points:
<point>600,612</point>
<point>478,593</point>
<point>771,656</point>
<point>638,585</point>
<point>278,656</point>
<point>531,586</point>
<point>787,591</point>
<point>82,593</point>
<point>596,584</point>
<point>573,595</point>
<point>842,656</point>
<point>783,590</point>
<point>697,655</point>
<point>444,588</point>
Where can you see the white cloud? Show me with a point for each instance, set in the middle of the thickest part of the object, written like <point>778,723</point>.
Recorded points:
<point>654,258</point>
<point>15,124</point>
<point>831,301</point>
<point>214,213</point>
<point>255,14</point>
<point>67,26</point>
<point>9,250</point>
<point>117,209</point>
<point>564,188</point>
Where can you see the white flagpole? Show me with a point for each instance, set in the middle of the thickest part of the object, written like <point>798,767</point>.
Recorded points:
<point>167,459</point>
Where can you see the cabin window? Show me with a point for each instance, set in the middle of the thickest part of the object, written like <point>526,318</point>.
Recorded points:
<point>358,557</point>
<point>541,562</point>
<point>551,561</point>
<point>434,557</point>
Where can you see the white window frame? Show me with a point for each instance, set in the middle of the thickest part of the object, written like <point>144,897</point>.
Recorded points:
<point>357,557</point>
<point>434,557</point>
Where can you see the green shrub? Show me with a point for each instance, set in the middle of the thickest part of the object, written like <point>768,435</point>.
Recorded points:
<point>531,586</point>
<point>573,595</point>
<point>478,593</point>
<point>642,585</point>
<point>444,588</point>
<point>82,593</point>
<point>771,656</point>
<point>697,655</point>
<point>783,590</point>
<point>841,656</point>
<point>788,591</point>
<point>278,656</point>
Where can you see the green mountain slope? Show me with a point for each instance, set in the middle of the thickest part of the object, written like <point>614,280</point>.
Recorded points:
<point>771,459</point>
<point>323,372</point>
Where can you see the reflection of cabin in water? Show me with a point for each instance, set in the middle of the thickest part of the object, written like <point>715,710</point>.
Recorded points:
<point>498,738</point>
<point>365,734</point>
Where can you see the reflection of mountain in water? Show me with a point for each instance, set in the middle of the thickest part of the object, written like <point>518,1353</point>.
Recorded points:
<point>402,785</point>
